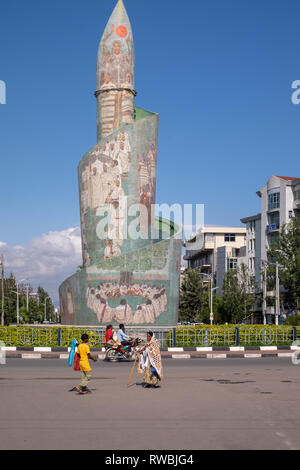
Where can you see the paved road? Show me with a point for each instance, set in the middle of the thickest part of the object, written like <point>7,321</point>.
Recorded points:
<point>202,404</point>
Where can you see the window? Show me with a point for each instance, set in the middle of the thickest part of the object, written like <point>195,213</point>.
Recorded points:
<point>229,237</point>
<point>231,263</point>
<point>273,238</point>
<point>209,237</point>
<point>273,201</point>
<point>290,214</point>
<point>297,195</point>
<point>274,219</point>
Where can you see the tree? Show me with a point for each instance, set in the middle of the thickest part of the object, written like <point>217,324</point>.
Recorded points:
<point>192,301</point>
<point>35,311</point>
<point>238,295</point>
<point>248,288</point>
<point>287,253</point>
<point>44,297</point>
<point>293,320</point>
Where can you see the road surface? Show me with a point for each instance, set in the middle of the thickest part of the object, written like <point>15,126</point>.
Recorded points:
<point>202,404</point>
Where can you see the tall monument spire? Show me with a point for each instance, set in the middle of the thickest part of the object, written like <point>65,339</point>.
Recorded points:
<point>131,259</point>
<point>115,74</point>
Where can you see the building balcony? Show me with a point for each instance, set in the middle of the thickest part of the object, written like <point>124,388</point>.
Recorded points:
<point>205,266</point>
<point>296,204</point>
<point>272,228</point>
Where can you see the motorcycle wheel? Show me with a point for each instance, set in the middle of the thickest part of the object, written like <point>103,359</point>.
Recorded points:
<point>112,356</point>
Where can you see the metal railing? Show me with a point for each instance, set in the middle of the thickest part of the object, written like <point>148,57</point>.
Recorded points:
<point>235,336</point>
<point>50,336</point>
<point>189,336</point>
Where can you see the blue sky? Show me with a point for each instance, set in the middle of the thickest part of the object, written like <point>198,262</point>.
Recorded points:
<point>218,72</point>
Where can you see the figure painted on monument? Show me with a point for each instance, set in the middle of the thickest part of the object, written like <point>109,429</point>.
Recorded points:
<point>116,56</point>
<point>155,302</point>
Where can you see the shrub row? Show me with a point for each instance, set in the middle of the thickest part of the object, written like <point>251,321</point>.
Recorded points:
<point>225,335</point>
<point>198,335</point>
<point>47,336</point>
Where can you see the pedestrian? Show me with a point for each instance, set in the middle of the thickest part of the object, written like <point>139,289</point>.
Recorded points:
<point>150,362</point>
<point>83,352</point>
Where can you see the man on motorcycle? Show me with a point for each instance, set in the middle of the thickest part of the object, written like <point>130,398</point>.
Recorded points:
<point>124,339</point>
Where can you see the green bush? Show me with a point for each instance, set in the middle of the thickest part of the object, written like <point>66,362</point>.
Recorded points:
<point>293,320</point>
<point>224,335</point>
<point>47,336</point>
<point>186,336</point>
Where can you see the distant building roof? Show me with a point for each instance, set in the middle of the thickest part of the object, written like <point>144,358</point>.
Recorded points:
<point>250,218</point>
<point>287,177</point>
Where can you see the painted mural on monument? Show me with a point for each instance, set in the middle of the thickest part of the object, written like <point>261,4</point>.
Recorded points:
<point>115,73</point>
<point>131,260</point>
<point>116,176</point>
<point>144,293</point>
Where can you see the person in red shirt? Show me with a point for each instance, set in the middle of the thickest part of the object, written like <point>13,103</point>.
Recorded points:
<point>109,340</point>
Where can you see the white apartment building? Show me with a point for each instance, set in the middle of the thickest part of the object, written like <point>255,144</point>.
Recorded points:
<point>250,254</point>
<point>206,254</point>
<point>219,249</point>
<point>280,201</point>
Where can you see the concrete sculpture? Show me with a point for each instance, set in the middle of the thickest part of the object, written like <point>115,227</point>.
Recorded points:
<point>131,259</point>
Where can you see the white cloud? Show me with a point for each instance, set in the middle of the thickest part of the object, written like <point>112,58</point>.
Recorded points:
<point>47,260</point>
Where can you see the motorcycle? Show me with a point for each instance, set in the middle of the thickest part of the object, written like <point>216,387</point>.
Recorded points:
<point>117,352</point>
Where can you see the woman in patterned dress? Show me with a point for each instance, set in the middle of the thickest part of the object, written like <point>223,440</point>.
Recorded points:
<point>150,362</point>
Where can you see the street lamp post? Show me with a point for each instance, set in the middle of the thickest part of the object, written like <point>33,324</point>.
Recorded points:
<point>18,308</point>
<point>277,308</point>
<point>2,289</point>
<point>27,297</point>
<point>45,319</point>
<point>211,316</point>
<point>277,290</point>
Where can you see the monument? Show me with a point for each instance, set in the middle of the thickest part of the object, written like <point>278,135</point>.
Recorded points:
<point>131,259</point>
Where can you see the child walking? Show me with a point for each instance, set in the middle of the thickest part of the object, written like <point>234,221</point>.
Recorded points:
<point>83,352</point>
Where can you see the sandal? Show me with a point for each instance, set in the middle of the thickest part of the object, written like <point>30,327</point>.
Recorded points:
<point>75,389</point>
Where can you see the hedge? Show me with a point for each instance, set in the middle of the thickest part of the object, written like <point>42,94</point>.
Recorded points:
<point>48,336</point>
<point>226,335</point>
<point>186,336</point>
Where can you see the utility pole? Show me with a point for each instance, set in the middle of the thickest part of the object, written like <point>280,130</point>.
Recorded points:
<point>45,318</point>
<point>18,306</point>
<point>277,308</point>
<point>265,294</point>
<point>27,297</point>
<point>2,289</point>
<point>211,316</point>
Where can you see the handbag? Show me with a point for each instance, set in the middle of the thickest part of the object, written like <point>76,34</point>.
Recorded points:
<point>76,362</point>
<point>72,353</point>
